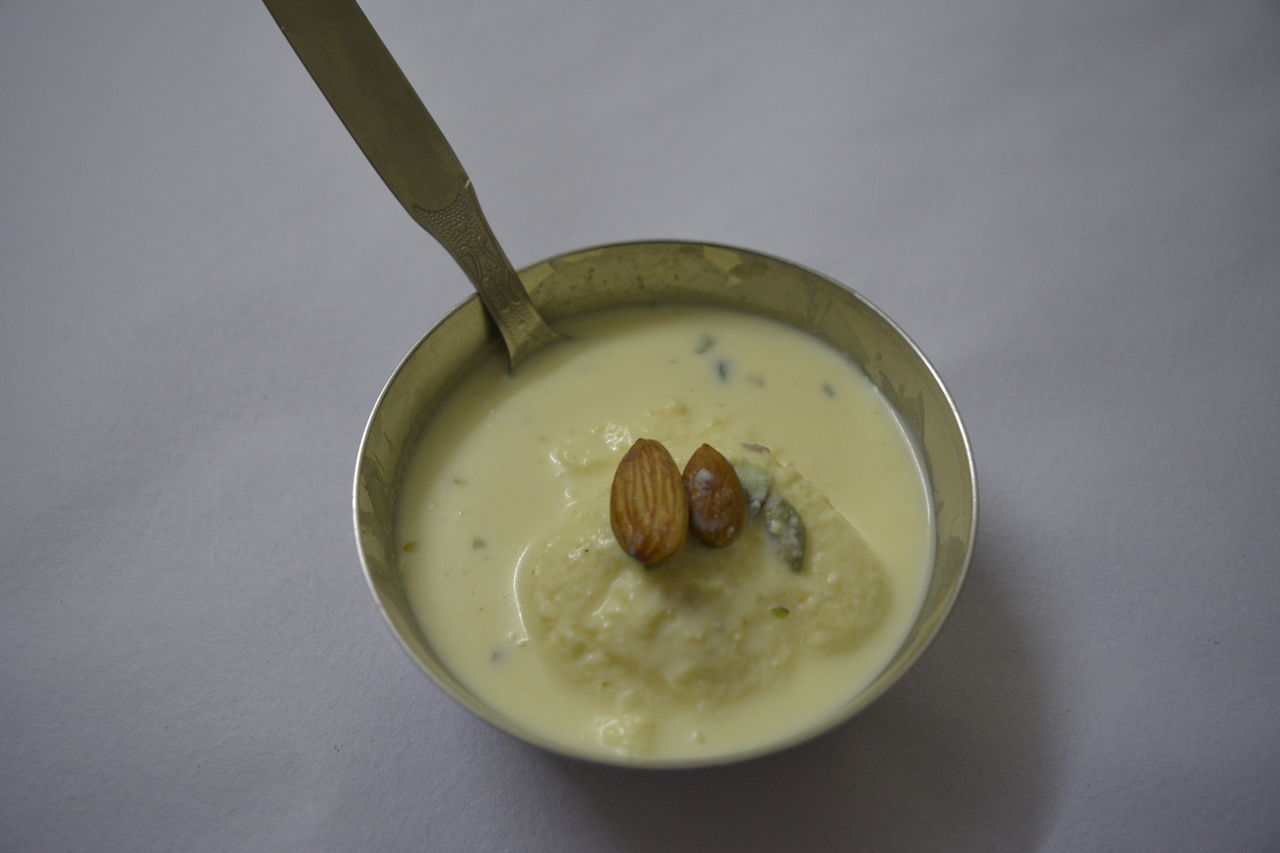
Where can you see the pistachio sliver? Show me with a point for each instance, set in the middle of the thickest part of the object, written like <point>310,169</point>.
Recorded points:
<point>786,528</point>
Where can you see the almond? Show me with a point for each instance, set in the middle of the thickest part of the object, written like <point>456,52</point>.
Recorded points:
<point>717,504</point>
<point>648,506</point>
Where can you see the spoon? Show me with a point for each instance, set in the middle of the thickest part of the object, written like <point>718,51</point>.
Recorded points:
<point>369,92</point>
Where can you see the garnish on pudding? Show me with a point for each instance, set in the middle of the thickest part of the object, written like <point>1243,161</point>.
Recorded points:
<point>717,505</point>
<point>648,506</point>
<point>652,507</point>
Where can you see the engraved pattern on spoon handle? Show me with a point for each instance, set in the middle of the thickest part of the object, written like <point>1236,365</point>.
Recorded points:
<point>463,231</point>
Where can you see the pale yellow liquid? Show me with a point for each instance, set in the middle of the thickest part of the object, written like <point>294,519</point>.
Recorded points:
<point>488,484</point>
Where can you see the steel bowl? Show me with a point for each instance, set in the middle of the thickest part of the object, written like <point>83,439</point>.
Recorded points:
<point>671,272</point>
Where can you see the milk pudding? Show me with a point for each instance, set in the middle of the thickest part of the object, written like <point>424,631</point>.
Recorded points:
<point>519,584</point>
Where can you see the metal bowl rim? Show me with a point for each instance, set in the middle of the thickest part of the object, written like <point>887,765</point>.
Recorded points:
<point>854,706</point>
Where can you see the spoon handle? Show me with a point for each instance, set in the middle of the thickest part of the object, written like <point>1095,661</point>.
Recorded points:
<point>462,229</point>
<point>369,92</point>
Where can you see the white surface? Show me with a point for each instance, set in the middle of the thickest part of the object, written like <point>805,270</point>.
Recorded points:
<point>1073,208</point>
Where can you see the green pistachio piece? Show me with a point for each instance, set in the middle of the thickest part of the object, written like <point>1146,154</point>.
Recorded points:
<point>786,528</point>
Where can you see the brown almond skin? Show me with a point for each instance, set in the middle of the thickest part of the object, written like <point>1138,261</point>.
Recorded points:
<point>648,506</point>
<point>717,503</point>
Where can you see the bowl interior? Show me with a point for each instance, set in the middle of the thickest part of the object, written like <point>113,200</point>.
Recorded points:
<point>671,272</point>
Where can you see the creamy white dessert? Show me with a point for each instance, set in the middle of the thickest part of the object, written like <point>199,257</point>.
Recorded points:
<point>518,582</point>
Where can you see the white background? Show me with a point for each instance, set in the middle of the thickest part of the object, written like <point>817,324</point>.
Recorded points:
<point>1074,208</point>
